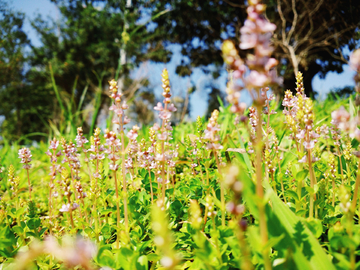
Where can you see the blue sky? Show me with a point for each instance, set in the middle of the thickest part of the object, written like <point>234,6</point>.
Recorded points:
<point>179,85</point>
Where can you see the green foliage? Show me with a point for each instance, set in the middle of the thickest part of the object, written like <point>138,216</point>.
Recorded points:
<point>175,233</point>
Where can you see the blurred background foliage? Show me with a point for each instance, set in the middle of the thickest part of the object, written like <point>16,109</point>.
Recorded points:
<point>53,88</point>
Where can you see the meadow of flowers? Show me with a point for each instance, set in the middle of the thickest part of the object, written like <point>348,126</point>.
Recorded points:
<point>272,186</point>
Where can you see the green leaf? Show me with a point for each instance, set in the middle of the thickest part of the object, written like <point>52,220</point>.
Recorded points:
<point>142,263</point>
<point>315,226</point>
<point>33,223</point>
<point>301,175</point>
<point>292,194</point>
<point>307,252</point>
<point>106,258</point>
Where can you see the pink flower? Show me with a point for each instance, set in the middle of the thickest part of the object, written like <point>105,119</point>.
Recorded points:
<point>162,136</point>
<point>113,167</point>
<point>126,120</point>
<point>265,26</point>
<point>74,206</point>
<point>159,107</point>
<point>156,127</point>
<point>124,106</point>
<point>304,159</point>
<point>357,134</point>
<point>309,145</point>
<point>340,115</point>
<point>248,41</point>
<point>256,79</point>
<point>25,156</point>
<point>132,135</point>
<point>301,135</point>
<point>272,62</point>
<point>65,208</point>
<point>165,115</point>
<point>172,108</point>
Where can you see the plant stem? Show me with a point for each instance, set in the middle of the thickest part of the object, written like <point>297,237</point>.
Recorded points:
<point>29,184</point>
<point>333,197</point>
<point>354,200</point>
<point>222,192</point>
<point>151,188</point>
<point>311,213</point>
<point>124,179</point>
<point>341,166</point>
<point>117,210</point>
<point>216,240</point>
<point>70,211</point>
<point>260,189</point>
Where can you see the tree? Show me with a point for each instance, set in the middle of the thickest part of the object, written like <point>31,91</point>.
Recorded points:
<point>199,27</point>
<point>94,41</point>
<point>20,107</point>
<point>311,36</point>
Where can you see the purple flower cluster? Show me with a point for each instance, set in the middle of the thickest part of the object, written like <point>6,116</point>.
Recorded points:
<point>211,132</point>
<point>54,168</point>
<point>342,120</point>
<point>25,156</point>
<point>117,107</point>
<point>164,132</point>
<point>80,139</point>
<point>113,144</point>
<point>71,157</point>
<point>255,34</point>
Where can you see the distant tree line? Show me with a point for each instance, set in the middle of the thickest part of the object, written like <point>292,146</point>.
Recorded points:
<point>95,40</point>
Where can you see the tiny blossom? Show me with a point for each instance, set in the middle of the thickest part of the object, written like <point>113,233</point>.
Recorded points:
<point>309,145</point>
<point>210,133</point>
<point>159,107</point>
<point>117,107</point>
<point>305,160</point>
<point>80,139</point>
<point>25,156</point>
<point>65,208</point>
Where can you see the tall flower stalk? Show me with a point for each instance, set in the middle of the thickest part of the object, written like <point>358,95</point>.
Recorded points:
<point>25,156</point>
<point>121,120</point>
<point>164,132</point>
<point>54,170</point>
<point>255,34</point>
<point>113,144</point>
<point>211,134</point>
